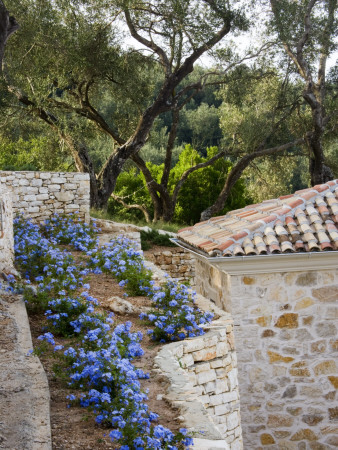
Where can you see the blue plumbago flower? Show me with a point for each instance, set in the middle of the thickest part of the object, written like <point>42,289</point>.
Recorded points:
<point>174,315</point>
<point>101,362</point>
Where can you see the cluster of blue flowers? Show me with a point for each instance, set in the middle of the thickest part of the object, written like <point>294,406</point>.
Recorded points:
<point>100,364</point>
<point>123,262</point>
<point>174,316</point>
<point>70,230</point>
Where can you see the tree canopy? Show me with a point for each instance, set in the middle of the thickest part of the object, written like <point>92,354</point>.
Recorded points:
<point>117,81</point>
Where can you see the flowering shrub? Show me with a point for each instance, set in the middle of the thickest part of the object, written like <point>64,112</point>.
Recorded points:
<point>100,362</point>
<point>41,262</point>
<point>174,316</point>
<point>70,230</point>
<point>125,263</point>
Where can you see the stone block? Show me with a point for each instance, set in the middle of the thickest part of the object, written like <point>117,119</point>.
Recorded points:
<point>210,341</point>
<point>220,410</point>
<point>215,400</point>
<point>276,357</point>
<point>232,420</point>
<point>312,419</point>
<point>318,346</point>
<point>326,368</point>
<point>334,381</point>
<point>210,387</point>
<point>221,372</point>
<point>264,321</point>
<point>288,320</point>
<point>232,379</point>
<point>205,377</point>
<point>267,439</point>
<point>294,410</point>
<point>187,361</point>
<point>29,198</point>
<point>311,391</point>
<point>303,335</point>
<point>222,349</point>
<point>304,303</point>
<point>221,386</point>
<point>64,196</point>
<point>58,180</point>
<point>36,182</point>
<point>42,197</point>
<point>327,294</point>
<point>304,434</point>
<point>279,421</point>
<point>216,363</point>
<point>202,367</point>
<point>299,369</point>
<point>205,355</point>
<point>326,329</point>
<point>54,188</point>
<point>193,345</point>
<point>31,190</point>
<point>290,392</point>
<point>307,279</point>
<point>229,397</point>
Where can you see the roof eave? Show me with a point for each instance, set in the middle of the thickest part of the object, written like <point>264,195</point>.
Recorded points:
<point>283,262</point>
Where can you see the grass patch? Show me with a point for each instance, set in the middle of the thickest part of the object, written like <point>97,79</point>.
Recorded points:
<point>101,214</point>
<point>153,237</point>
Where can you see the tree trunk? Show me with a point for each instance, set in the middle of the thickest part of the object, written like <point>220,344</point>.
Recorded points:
<point>8,25</point>
<point>319,172</point>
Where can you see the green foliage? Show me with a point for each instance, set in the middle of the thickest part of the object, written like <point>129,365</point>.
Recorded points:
<point>198,192</point>
<point>36,153</point>
<point>153,237</point>
<point>203,186</point>
<point>276,176</point>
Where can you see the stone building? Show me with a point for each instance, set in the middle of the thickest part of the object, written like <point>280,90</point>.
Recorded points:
<point>274,267</point>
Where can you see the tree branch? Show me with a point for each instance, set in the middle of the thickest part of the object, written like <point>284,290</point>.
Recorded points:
<point>237,171</point>
<point>134,206</point>
<point>193,169</point>
<point>150,44</point>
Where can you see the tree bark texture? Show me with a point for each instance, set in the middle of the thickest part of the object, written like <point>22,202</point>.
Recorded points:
<point>8,25</point>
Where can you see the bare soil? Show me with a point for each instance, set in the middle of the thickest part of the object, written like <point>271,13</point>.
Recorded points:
<point>75,427</point>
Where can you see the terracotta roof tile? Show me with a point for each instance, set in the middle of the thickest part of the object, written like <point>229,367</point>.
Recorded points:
<point>302,222</point>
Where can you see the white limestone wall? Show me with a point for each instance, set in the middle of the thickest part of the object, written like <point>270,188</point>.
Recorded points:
<point>202,373</point>
<point>6,231</point>
<point>39,195</point>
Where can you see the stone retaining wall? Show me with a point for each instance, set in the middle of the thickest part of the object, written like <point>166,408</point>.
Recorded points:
<point>178,263</point>
<point>38,195</point>
<point>286,343</point>
<point>204,386</point>
<point>202,375</point>
<point>111,230</point>
<point>6,231</point>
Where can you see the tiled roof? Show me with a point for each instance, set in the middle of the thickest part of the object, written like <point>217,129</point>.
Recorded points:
<point>306,221</point>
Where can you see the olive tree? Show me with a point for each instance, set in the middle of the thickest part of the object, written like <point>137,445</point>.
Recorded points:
<point>72,53</point>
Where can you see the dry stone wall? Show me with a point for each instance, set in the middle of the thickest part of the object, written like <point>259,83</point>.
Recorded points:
<point>204,383</point>
<point>202,375</point>
<point>38,195</point>
<point>6,231</point>
<point>286,343</point>
<point>178,263</point>
<point>111,230</point>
